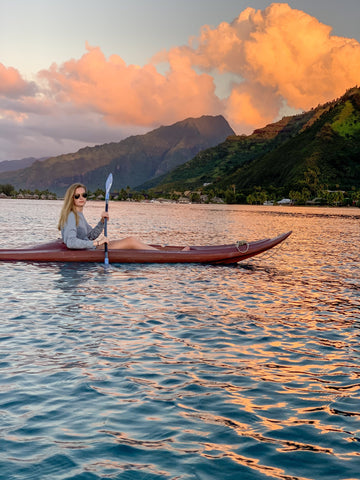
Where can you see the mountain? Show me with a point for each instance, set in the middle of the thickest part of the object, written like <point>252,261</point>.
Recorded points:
<point>318,147</point>
<point>11,165</point>
<point>132,161</point>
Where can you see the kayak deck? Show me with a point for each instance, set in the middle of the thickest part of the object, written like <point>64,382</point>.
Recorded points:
<point>57,251</point>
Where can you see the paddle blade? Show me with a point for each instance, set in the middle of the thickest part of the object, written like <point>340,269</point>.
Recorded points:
<point>108,184</point>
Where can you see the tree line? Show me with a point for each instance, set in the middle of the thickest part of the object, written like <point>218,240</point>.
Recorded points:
<point>10,191</point>
<point>312,192</point>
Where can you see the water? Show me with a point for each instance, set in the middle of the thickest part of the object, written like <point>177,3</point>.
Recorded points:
<point>183,372</point>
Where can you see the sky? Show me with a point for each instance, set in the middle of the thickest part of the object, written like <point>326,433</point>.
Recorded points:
<point>85,72</point>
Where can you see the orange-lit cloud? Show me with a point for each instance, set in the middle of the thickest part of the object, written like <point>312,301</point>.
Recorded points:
<point>12,85</point>
<point>280,54</point>
<point>128,94</point>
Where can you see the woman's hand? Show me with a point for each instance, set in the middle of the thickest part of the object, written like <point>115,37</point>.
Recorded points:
<point>101,241</point>
<point>104,215</point>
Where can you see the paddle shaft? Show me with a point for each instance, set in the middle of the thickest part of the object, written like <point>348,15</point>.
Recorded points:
<point>107,196</point>
<point>105,233</point>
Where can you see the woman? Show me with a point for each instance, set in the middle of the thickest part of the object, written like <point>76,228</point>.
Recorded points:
<point>77,233</point>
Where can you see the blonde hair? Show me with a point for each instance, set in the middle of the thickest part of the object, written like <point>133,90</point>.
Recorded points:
<point>68,205</point>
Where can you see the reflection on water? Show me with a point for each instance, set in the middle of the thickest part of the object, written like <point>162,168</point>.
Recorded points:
<point>186,371</point>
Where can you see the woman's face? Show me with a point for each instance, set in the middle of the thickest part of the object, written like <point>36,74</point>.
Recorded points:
<point>80,198</point>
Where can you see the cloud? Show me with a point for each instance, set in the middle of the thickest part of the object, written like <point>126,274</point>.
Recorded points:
<point>133,95</point>
<point>36,121</point>
<point>64,131</point>
<point>275,60</point>
<point>12,84</point>
<point>252,105</point>
<point>280,54</point>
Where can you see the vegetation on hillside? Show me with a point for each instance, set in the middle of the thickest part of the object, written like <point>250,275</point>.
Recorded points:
<point>310,157</point>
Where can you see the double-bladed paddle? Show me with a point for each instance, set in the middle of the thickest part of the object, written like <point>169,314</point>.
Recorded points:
<point>107,195</point>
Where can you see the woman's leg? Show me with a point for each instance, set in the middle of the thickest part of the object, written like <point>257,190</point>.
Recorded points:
<point>130,243</point>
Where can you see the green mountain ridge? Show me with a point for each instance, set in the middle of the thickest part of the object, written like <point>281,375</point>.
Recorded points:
<point>132,161</point>
<point>319,147</point>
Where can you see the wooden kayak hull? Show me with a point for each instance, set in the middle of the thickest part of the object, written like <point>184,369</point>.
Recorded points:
<point>56,251</point>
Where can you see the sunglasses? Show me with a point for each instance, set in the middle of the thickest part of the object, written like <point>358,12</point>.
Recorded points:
<point>78,195</point>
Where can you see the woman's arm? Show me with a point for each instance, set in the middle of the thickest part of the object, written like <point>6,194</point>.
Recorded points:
<point>93,233</point>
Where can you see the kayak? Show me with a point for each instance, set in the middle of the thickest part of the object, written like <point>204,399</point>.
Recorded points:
<point>57,251</point>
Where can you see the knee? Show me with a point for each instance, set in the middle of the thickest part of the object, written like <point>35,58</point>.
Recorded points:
<point>131,241</point>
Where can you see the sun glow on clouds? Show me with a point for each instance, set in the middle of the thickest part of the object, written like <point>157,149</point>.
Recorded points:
<point>11,83</point>
<point>281,54</point>
<point>275,57</point>
<point>129,94</point>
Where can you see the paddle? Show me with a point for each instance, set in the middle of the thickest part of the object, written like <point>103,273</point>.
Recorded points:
<point>107,195</point>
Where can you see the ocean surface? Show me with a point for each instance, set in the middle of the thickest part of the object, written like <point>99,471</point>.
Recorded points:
<point>183,372</point>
